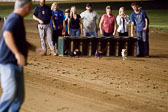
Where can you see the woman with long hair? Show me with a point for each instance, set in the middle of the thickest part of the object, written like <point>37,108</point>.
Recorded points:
<point>122,21</point>
<point>58,17</point>
<point>74,23</point>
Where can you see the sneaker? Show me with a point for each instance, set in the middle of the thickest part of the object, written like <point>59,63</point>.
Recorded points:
<point>53,53</point>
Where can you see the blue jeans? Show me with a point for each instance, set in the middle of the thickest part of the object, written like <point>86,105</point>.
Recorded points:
<point>12,83</point>
<point>90,34</point>
<point>75,32</point>
<point>107,34</point>
<point>143,43</point>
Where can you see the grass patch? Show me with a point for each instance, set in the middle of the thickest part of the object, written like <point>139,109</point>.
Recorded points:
<point>158,18</point>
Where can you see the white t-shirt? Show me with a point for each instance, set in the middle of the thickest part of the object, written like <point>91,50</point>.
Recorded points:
<point>122,26</point>
<point>89,20</point>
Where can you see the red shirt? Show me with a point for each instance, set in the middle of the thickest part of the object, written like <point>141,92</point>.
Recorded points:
<point>108,23</point>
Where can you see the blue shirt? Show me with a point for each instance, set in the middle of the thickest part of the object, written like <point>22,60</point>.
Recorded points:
<point>43,13</point>
<point>139,20</point>
<point>58,17</point>
<point>15,25</point>
<point>66,24</point>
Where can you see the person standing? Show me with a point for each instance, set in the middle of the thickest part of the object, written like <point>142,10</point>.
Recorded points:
<point>108,23</point>
<point>65,22</point>
<point>140,21</point>
<point>58,17</point>
<point>90,27</point>
<point>13,56</point>
<point>74,23</point>
<point>123,22</point>
<point>147,32</point>
<point>42,14</point>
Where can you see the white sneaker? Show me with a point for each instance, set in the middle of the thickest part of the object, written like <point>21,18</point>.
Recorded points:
<point>53,53</point>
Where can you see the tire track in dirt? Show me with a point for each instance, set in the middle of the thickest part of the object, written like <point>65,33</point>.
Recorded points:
<point>74,88</point>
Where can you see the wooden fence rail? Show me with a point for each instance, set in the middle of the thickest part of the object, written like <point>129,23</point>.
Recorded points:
<point>109,46</point>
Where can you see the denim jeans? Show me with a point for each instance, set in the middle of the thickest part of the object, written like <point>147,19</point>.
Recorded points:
<point>91,34</point>
<point>107,34</point>
<point>46,32</point>
<point>12,83</point>
<point>75,32</point>
<point>143,43</point>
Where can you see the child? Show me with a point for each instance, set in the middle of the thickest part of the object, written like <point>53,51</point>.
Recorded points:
<point>66,19</point>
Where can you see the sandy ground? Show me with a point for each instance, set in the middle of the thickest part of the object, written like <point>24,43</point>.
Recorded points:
<point>87,84</point>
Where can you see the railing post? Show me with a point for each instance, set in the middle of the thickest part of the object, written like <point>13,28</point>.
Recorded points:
<point>81,46</point>
<point>108,48</point>
<point>117,48</point>
<point>135,48</point>
<point>72,45</point>
<point>126,46</point>
<point>99,45</point>
<point>90,48</point>
<point>61,46</point>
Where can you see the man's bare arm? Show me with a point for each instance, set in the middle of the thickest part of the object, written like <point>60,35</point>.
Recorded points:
<point>37,19</point>
<point>31,47</point>
<point>146,24</point>
<point>132,29</point>
<point>35,49</point>
<point>9,40</point>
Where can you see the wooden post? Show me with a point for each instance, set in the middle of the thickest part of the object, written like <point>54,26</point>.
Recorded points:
<point>108,48</point>
<point>61,46</point>
<point>72,45</point>
<point>117,48</point>
<point>135,48</point>
<point>81,46</point>
<point>99,45</point>
<point>90,48</point>
<point>126,46</point>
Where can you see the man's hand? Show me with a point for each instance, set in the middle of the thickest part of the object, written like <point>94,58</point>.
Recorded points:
<point>37,19</point>
<point>21,61</point>
<point>40,51</point>
<point>41,22</point>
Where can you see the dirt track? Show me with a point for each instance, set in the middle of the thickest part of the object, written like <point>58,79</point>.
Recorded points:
<point>87,84</point>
